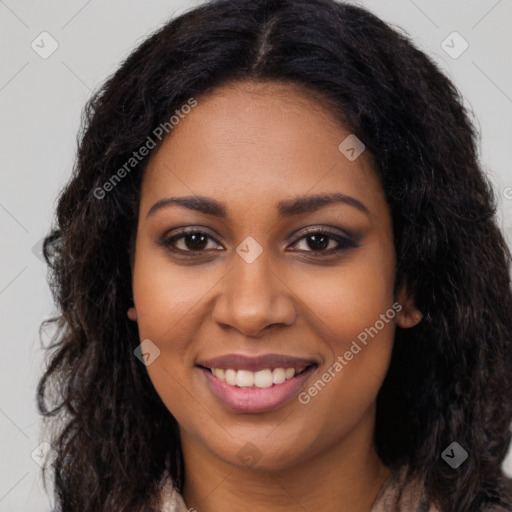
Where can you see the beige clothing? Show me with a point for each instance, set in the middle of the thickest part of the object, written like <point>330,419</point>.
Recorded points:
<point>410,499</point>
<point>409,494</point>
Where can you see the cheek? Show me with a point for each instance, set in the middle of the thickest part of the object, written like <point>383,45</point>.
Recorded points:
<point>166,295</point>
<point>352,308</point>
<point>351,297</point>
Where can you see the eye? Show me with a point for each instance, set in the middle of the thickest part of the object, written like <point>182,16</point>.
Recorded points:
<point>324,243</point>
<point>317,242</point>
<point>189,241</point>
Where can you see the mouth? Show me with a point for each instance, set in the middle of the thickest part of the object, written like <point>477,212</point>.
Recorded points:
<point>254,385</point>
<point>262,379</point>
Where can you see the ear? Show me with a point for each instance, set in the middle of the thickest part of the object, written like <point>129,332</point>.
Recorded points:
<point>409,315</point>
<point>132,314</point>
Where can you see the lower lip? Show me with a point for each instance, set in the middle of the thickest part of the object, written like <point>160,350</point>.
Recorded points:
<point>252,400</point>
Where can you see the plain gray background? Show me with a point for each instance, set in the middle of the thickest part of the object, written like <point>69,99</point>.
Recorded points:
<point>41,102</point>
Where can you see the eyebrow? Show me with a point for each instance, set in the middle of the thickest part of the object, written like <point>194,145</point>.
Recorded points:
<point>287,208</point>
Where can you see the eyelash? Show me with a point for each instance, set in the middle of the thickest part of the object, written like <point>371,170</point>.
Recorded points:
<point>343,242</point>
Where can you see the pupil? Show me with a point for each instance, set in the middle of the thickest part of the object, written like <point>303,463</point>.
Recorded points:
<point>198,241</point>
<point>319,241</point>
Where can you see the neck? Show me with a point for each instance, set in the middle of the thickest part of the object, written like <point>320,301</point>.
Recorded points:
<point>346,477</point>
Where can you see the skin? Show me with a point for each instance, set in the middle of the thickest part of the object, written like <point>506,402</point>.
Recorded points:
<point>250,146</point>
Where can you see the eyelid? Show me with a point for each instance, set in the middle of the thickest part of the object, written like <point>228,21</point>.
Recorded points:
<point>178,233</point>
<point>343,240</point>
<point>326,230</point>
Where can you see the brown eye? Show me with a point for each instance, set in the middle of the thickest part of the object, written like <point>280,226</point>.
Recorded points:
<point>189,241</point>
<point>195,241</point>
<point>324,243</point>
<point>318,242</point>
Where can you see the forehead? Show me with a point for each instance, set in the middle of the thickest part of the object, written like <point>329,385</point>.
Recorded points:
<point>258,142</point>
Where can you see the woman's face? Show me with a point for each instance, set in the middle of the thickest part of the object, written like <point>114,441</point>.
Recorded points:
<point>288,263</point>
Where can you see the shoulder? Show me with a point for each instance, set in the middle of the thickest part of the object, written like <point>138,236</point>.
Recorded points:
<point>400,493</point>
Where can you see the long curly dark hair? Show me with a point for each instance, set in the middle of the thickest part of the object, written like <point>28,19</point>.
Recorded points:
<point>450,376</point>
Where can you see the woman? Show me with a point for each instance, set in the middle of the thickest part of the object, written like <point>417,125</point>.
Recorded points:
<point>281,281</point>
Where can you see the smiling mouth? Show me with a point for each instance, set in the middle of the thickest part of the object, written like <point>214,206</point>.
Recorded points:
<point>264,378</point>
<point>250,385</point>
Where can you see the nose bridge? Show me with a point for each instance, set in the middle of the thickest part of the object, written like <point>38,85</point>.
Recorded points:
<point>252,280</point>
<point>253,297</point>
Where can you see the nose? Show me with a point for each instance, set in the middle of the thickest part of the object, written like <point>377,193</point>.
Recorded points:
<point>252,297</point>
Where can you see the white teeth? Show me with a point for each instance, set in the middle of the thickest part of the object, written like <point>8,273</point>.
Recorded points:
<point>278,376</point>
<point>218,372</point>
<point>230,377</point>
<point>261,379</point>
<point>244,378</point>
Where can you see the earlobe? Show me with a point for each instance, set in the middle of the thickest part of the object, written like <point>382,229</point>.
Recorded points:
<point>132,314</point>
<point>409,318</point>
<point>409,315</point>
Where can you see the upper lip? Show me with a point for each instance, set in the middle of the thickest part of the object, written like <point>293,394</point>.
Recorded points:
<point>255,363</point>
